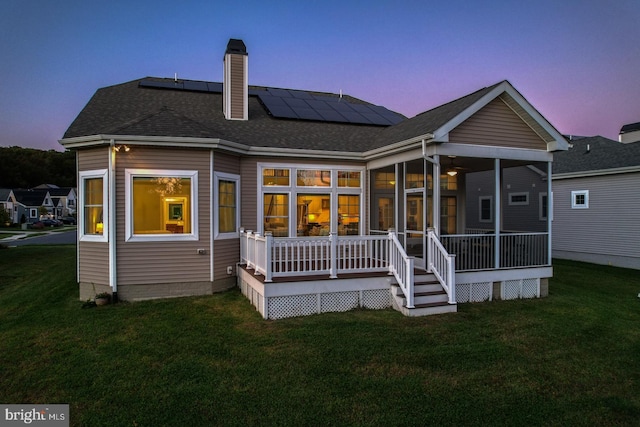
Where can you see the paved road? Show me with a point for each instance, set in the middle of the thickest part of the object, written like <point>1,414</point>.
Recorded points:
<point>58,238</point>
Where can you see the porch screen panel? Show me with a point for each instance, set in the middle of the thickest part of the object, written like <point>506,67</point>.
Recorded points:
<point>348,215</point>
<point>93,199</point>
<point>276,214</point>
<point>161,205</point>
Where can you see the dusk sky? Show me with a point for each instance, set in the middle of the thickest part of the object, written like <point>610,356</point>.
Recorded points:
<point>576,61</point>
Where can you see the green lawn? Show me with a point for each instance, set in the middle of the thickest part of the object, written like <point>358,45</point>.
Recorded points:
<point>570,359</point>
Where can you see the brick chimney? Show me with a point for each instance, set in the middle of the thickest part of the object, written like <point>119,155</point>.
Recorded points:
<point>235,84</point>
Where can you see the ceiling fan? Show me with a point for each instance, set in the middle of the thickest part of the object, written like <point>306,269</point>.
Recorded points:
<point>452,170</point>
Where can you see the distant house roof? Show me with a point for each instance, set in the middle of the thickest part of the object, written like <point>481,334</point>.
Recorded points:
<point>595,153</point>
<point>33,197</point>
<point>60,191</point>
<point>4,194</point>
<point>630,127</point>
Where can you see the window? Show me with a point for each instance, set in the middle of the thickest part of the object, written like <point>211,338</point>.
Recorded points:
<point>348,215</point>
<point>276,214</point>
<point>486,211</point>
<point>93,219</point>
<point>518,199</point>
<point>307,204</point>
<point>384,180</point>
<point>272,177</point>
<point>580,199</point>
<point>161,205</point>
<point>33,213</point>
<point>226,205</point>
<point>544,206</point>
<point>314,178</point>
<point>349,179</point>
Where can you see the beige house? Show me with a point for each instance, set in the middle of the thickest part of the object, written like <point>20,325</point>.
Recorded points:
<point>308,201</point>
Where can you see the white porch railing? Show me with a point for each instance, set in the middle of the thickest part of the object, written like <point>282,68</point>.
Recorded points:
<point>401,266</point>
<point>442,265</point>
<point>330,255</point>
<point>477,251</point>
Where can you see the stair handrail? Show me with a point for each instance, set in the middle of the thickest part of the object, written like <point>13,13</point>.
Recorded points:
<point>401,266</point>
<point>442,264</point>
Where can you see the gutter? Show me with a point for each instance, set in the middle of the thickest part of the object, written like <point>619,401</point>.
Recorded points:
<point>597,172</point>
<point>113,280</point>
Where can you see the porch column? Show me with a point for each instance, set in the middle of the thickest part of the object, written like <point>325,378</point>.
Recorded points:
<point>498,211</point>
<point>549,212</point>
<point>435,199</point>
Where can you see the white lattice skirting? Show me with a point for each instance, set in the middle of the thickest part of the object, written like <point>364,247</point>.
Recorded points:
<point>304,304</point>
<point>474,292</point>
<point>520,288</point>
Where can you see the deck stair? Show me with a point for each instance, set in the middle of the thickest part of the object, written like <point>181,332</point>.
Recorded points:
<point>429,297</point>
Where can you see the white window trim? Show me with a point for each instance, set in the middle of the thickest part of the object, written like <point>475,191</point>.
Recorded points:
<point>480,199</point>
<point>151,173</point>
<point>217,177</point>
<point>523,193</point>
<point>541,212</point>
<point>31,213</point>
<point>84,175</point>
<point>292,190</point>
<point>574,195</point>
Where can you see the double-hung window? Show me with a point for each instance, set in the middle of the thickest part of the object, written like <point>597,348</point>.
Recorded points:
<point>161,205</point>
<point>226,205</point>
<point>93,224</point>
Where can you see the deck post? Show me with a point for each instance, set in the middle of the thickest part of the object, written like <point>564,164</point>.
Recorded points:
<point>251,251</point>
<point>267,256</point>
<point>333,269</point>
<point>409,284</point>
<point>256,253</point>
<point>430,232</point>
<point>451,277</point>
<point>389,250</point>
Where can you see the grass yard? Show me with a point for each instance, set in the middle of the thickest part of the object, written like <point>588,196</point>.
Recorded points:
<point>570,359</point>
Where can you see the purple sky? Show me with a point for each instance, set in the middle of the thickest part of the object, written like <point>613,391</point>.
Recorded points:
<point>576,61</point>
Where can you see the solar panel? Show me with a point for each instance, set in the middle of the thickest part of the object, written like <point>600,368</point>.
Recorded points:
<point>332,116</point>
<point>308,114</point>
<point>300,94</point>
<point>161,84</point>
<point>296,103</point>
<point>282,93</point>
<point>214,87</point>
<point>319,105</point>
<point>195,86</point>
<point>354,117</point>
<point>283,112</point>
<point>341,106</point>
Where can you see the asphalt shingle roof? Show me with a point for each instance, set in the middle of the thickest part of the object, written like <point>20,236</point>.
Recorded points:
<point>596,153</point>
<point>132,109</point>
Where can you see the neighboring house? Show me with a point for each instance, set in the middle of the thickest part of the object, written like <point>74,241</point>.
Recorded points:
<point>629,133</point>
<point>29,202</point>
<point>596,202</point>
<point>8,203</point>
<point>524,195</point>
<point>343,198</point>
<point>66,205</point>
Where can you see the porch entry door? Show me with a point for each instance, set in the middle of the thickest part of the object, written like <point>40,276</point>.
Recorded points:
<point>415,219</point>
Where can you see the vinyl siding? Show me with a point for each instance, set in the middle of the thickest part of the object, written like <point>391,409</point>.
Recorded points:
<point>226,252</point>
<point>93,259</point>
<point>164,262</point>
<point>496,125</point>
<point>611,224</point>
<point>237,86</point>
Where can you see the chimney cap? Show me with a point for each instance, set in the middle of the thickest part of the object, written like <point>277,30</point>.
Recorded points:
<point>236,46</point>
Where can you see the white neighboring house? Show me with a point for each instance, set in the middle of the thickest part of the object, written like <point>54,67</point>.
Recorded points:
<point>8,203</point>
<point>596,202</point>
<point>629,133</point>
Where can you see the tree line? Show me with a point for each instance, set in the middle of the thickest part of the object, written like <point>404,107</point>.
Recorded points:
<point>29,167</point>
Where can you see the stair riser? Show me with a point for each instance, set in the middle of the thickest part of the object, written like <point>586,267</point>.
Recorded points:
<point>430,298</point>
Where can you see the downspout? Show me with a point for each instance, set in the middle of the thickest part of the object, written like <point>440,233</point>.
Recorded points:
<point>113,282</point>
